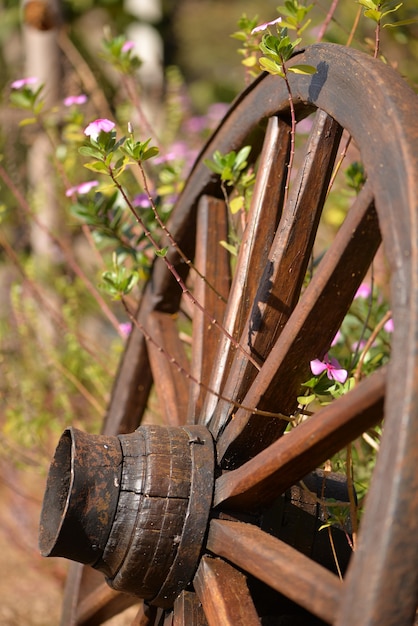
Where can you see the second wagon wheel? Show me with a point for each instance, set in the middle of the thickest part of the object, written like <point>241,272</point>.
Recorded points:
<point>281,326</point>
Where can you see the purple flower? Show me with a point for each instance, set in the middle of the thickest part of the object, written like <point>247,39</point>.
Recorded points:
<point>363,291</point>
<point>128,45</point>
<point>196,124</point>
<point>141,201</point>
<point>179,150</point>
<point>357,346</point>
<point>331,367</point>
<point>81,99</point>
<point>23,82</point>
<point>94,129</point>
<point>264,26</point>
<point>125,328</point>
<point>82,188</point>
<point>389,327</point>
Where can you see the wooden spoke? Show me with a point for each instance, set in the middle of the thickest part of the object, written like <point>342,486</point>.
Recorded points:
<point>212,261</point>
<point>262,221</point>
<point>102,602</point>
<point>284,272</point>
<point>272,471</point>
<point>306,336</point>
<point>133,381</point>
<point>171,385</point>
<point>224,594</point>
<point>278,565</point>
<point>146,616</point>
<point>188,610</point>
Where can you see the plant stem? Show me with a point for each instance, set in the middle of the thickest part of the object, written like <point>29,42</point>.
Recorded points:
<point>351,495</point>
<point>189,376</point>
<point>292,134</point>
<point>327,20</point>
<point>186,292</point>
<point>377,41</point>
<point>63,248</point>
<point>170,237</point>
<point>369,343</point>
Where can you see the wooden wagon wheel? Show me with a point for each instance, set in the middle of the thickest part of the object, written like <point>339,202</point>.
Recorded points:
<point>236,560</point>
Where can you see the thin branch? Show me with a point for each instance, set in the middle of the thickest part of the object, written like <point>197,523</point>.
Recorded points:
<point>190,377</point>
<point>186,292</point>
<point>170,237</point>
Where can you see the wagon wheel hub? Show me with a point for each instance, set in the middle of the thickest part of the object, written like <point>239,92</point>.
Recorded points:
<point>135,506</point>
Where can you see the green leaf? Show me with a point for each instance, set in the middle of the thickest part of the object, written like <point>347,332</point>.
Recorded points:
<point>272,67</point>
<point>374,15</point>
<point>161,252</point>
<point>398,6</point>
<point>237,204</point>
<point>401,23</point>
<point>97,166</point>
<point>302,69</point>
<point>232,249</point>
<point>150,153</point>
<point>250,61</point>
<point>27,121</point>
<point>90,152</point>
<point>368,4</point>
<point>241,158</point>
<point>304,400</point>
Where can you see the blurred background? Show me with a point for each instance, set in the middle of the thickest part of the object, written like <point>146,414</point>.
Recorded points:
<point>60,336</point>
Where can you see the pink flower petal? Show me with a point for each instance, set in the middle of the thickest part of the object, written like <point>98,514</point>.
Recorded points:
<point>264,26</point>
<point>94,129</point>
<point>81,99</point>
<point>22,82</point>
<point>125,328</point>
<point>338,337</point>
<point>363,291</point>
<point>128,45</point>
<point>389,327</point>
<point>317,367</point>
<point>82,188</point>
<point>339,375</point>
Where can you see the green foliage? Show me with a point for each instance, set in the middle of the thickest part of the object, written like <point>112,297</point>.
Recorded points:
<point>277,50</point>
<point>295,14</point>
<point>138,151</point>
<point>119,281</point>
<point>229,166</point>
<point>118,53</point>
<point>355,176</point>
<point>113,227</point>
<point>234,172</point>
<point>28,99</point>
<point>249,41</point>
<point>376,10</point>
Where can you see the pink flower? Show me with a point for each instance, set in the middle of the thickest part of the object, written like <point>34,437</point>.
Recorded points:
<point>141,201</point>
<point>82,188</point>
<point>357,346</point>
<point>128,45</point>
<point>363,291</point>
<point>23,82</point>
<point>94,129</point>
<point>264,26</point>
<point>81,99</point>
<point>389,327</point>
<point>125,328</point>
<point>331,367</point>
<point>338,337</point>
